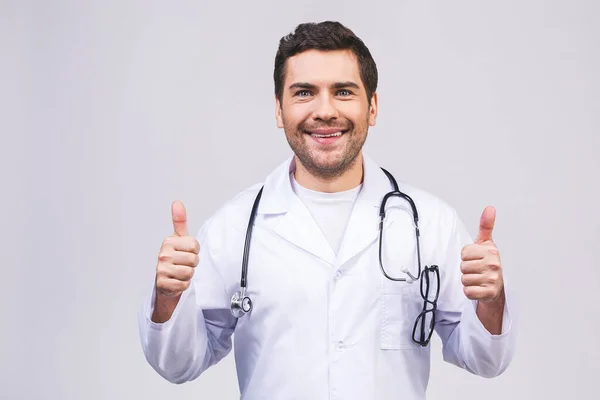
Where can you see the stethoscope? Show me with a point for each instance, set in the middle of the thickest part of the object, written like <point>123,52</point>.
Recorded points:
<point>241,303</point>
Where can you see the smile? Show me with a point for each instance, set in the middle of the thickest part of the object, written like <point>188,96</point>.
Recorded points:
<point>320,135</point>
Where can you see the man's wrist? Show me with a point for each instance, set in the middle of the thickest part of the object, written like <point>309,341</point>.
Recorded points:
<point>491,313</point>
<point>164,307</point>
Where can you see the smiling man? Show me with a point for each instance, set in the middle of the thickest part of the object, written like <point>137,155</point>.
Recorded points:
<point>325,110</point>
<point>330,309</point>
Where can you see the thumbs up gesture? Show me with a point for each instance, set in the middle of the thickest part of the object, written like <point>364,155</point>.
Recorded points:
<point>177,258</point>
<point>481,268</point>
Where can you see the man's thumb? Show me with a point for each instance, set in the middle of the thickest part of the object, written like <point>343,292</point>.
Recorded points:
<point>179,219</point>
<point>486,225</point>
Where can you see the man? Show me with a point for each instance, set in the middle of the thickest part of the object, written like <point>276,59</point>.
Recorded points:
<point>325,322</point>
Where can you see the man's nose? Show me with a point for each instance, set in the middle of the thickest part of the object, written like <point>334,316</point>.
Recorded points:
<point>325,108</point>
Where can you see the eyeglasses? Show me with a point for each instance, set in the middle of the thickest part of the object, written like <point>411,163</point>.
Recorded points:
<point>429,277</point>
<point>425,323</point>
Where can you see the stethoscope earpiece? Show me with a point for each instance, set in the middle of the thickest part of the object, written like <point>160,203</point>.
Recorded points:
<point>410,277</point>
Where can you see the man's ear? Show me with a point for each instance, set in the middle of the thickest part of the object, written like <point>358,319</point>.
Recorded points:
<point>373,108</point>
<point>278,115</point>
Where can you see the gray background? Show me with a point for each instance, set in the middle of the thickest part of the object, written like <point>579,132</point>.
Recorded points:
<point>113,109</point>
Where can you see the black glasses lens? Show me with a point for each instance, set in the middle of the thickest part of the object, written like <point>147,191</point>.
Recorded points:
<point>430,284</point>
<point>424,327</point>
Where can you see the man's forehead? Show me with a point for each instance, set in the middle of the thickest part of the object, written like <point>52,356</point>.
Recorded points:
<point>322,67</point>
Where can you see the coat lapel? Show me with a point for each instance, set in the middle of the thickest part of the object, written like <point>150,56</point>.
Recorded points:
<point>300,228</point>
<point>296,224</point>
<point>363,226</point>
<point>362,230</point>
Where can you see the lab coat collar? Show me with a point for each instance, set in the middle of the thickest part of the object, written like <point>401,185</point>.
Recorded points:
<point>299,227</point>
<point>278,193</point>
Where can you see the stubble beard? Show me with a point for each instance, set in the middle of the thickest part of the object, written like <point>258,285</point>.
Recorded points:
<point>297,139</point>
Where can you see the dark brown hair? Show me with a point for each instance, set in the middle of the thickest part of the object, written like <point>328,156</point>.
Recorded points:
<point>327,35</point>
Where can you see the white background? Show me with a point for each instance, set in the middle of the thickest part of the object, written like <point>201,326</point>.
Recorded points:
<point>110,110</point>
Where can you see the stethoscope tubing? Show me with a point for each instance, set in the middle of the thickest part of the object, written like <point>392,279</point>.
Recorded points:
<point>241,303</point>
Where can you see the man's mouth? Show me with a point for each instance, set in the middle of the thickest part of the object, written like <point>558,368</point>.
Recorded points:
<point>328,135</point>
<point>326,132</point>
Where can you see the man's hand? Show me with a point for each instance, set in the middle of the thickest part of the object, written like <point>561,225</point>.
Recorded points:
<point>177,259</point>
<point>482,274</point>
<point>481,267</point>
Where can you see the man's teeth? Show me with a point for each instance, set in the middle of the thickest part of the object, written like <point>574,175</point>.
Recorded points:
<point>326,136</point>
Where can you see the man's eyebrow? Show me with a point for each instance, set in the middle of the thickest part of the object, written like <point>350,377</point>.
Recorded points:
<point>340,85</point>
<point>337,85</point>
<point>302,85</point>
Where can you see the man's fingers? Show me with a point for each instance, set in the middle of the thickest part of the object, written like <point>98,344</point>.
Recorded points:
<point>473,252</point>
<point>187,243</point>
<point>471,279</point>
<point>185,258</point>
<point>479,292</point>
<point>483,292</point>
<point>178,257</point>
<point>179,216</point>
<point>486,225</point>
<point>472,267</point>
<point>170,286</point>
<point>180,272</point>
<point>485,280</point>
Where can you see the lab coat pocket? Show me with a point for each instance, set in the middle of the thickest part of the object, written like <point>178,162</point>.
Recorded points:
<point>398,314</point>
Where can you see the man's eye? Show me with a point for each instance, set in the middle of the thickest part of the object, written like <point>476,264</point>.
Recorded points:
<point>303,93</point>
<point>344,92</point>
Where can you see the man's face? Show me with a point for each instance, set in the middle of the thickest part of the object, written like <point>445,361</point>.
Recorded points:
<point>324,110</point>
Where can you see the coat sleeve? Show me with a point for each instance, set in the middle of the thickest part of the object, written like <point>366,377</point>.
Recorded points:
<point>198,334</point>
<point>466,342</point>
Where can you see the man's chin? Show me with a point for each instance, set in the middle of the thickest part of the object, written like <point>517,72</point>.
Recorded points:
<point>329,166</point>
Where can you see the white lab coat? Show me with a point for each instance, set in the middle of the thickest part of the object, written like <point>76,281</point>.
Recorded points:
<point>324,327</point>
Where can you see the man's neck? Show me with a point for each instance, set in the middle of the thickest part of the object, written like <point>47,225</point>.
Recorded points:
<point>350,179</point>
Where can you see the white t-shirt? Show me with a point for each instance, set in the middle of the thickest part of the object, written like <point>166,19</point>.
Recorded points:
<point>331,211</point>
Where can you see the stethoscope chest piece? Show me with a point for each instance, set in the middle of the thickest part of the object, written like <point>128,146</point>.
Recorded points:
<point>240,304</point>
